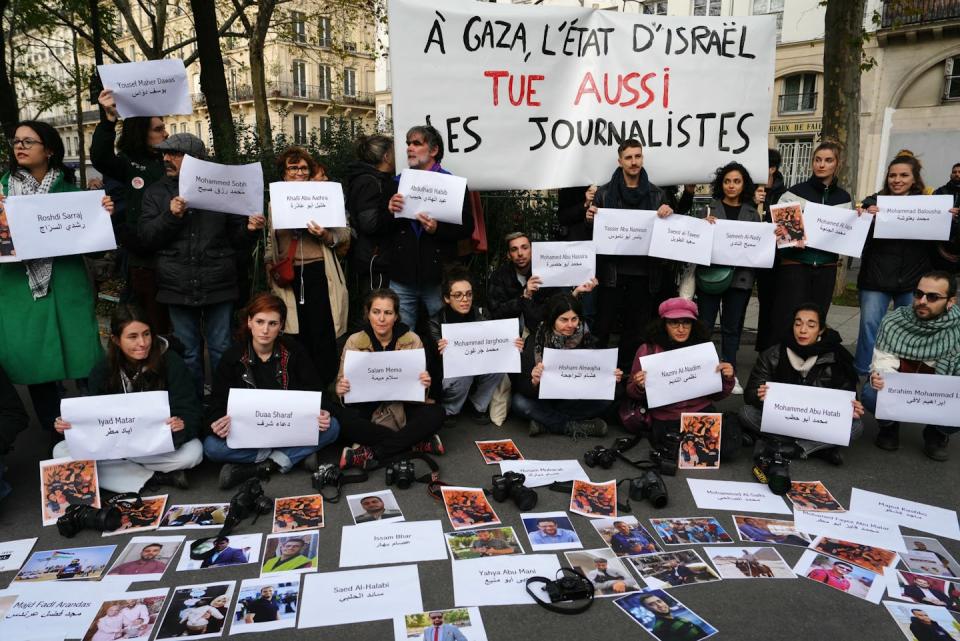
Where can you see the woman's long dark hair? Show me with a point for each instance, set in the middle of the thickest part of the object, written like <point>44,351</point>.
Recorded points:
<point>52,142</point>
<point>153,373</point>
<point>133,138</point>
<point>716,187</point>
<point>915,168</point>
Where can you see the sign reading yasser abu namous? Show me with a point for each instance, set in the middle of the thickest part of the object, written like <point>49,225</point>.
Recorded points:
<point>560,87</point>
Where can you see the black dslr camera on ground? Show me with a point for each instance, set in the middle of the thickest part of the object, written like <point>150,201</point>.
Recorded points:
<point>83,517</point>
<point>510,486</point>
<point>401,473</point>
<point>569,586</point>
<point>664,454</point>
<point>327,474</point>
<point>650,487</point>
<point>601,456</point>
<point>771,463</point>
<point>249,499</point>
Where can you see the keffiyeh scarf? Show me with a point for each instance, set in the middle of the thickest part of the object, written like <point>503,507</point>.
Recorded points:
<point>906,336</point>
<point>39,270</point>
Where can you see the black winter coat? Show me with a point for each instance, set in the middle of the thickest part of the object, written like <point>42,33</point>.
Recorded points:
<point>820,375</point>
<point>891,264</point>
<point>367,194</point>
<point>196,253</point>
<point>522,383</point>
<point>505,297</point>
<point>13,417</point>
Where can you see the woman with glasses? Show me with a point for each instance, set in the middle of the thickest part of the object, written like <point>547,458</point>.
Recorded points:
<point>890,267</point>
<point>136,165</point>
<point>306,274</point>
<point>458,307</point>
<point>48,328</point>
<point>676,328</point>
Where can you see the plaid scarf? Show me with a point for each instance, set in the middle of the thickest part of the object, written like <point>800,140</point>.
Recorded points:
<point>546,337</point>
<point>906,336</point>
<point>39,270</point>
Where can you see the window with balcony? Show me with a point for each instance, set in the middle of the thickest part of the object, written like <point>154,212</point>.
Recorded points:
<point>324,35</point>
<point>706,7</point>
<point>951,87</point>
<point>299,69</point>
<point>326,85</point>
<point>795,155</point>
<point>654,7</point>
<point>298,26</point>
<point>799,94</point>
<point>770,7</point>
<point>299,130</point>
<point>350,83</point>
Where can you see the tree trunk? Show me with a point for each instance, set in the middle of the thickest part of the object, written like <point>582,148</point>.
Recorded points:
<point>213,82</point>
<point>842,55</point>
<point>9,107</point>
<point>78,84</point>
<point>258,81</point>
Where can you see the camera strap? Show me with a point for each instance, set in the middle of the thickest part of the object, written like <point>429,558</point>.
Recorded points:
<point>345,479</point>
<point>547,605</point>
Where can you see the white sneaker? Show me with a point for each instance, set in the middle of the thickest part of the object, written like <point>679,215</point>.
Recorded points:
<point>737,388</point>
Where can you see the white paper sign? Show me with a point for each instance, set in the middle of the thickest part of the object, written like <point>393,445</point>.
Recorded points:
<point>293,204</point>
<point>55,612</point>
<point>681,374</point>
<point>500,580</point>
<point>919,516</point>
<point>579,373</point>
<point>736,496</point>
<point>579,97</point>
<point>623,232</point>
<point>392,542</point>
<point>741,243</point>
<point>920,398</point>
<point>814,413</point>
<point>836,229</point>
<point>231,189</point>
<point>360,595</point>
<point>563,264</point>
<point>434,193</point>
<point>913,217</point>
<point>64,224</point>
<point>540,473</point>
<point>856,527</point>
<point>266,418</point>
<point>483,347</point>
<point>384,376</point>
<point>682,238</point>
<point>117,426</point>
<point>14,553</point>
<point>148,88</point>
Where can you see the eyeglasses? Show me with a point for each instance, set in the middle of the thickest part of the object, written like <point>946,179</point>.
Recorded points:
<point>680,322</point>
<point>298,169</point>
<point>461,295</point>
<point>26,143</point>
<point>932,297</point>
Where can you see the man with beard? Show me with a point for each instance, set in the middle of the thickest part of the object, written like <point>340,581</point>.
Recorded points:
<point>668,627</point>
<point>923,338</point>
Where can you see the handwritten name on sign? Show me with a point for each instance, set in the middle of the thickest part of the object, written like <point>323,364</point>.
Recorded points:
<point>482,347</point>
<point>681,374</point>
<point>264,418</point>
<point>118,425</point>
<point>683,238</point>
<point>230,189</point>
<point>64,224</point>
<point>579,373</point>
<point>563,264</point>
<point>920,398</point>
<point>560,87</point>
<point>814,413</point>
<point>913,217</point>
<point>623,232</point>
<point>294,204</point>
<point>149,88</point>
<point>433,193</point>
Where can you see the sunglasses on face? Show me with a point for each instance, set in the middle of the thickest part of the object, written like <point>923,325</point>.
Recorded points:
<point>932,297</point>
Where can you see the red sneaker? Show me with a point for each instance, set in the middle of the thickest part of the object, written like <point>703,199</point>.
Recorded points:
<point>360,457</point>
<point>432,446</point>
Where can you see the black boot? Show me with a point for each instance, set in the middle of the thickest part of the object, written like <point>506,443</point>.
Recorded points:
<point>888,436</point>
<point>935,444</point>
<point>177,479</point>
<point>233,474</point>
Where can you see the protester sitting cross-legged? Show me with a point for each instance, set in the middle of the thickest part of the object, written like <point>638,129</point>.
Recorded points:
<point>923,339</point>
<point>382,431</point>
<point>458,307</point>
<point>813,355</point>
<point>262,358</point>
<point>561,328</point>
<point>139,361</point>
<point>676,328</point>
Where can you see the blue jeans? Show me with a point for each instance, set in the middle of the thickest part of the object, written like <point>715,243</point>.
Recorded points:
<point>216,449</point>
<point>194,325</point>
<point>732,307</point>
<point>410,297</point>
<point>873,307</point>
<point>868,396</point>
<point>554,414</point>
<point>455,391</point>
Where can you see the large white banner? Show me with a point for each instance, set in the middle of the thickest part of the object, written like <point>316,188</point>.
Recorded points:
<point>48,225</point>
<point>231,189</point>
<point>534,97</point>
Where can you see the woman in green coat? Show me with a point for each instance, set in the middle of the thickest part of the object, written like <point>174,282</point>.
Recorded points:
<point>48,328</point>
